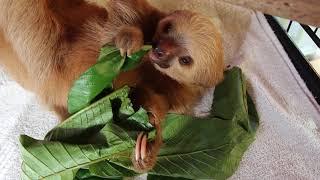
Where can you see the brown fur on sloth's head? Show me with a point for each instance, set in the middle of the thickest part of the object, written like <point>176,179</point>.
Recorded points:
<point>188,48</point>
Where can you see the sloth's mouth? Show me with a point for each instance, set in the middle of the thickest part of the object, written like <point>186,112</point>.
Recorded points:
<point>158,60</point>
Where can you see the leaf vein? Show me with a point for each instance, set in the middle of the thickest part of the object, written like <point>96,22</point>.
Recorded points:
<point>53,156</point>
<point>194,152</point>
<point>193,166</point>
<point>177,166</point>
<point>69,153</point>
<point>158,163</point>
<point>40,161</point>
<point>209,155</point>
<point>31,169</point>
<point>202,162</point>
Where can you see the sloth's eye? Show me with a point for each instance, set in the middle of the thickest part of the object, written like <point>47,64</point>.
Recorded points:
<point>167,28</point>
<point>185,60</point>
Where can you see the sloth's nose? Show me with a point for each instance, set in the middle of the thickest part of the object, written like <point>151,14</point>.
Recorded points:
<point>159,52</point>
<point>157,48</point>
<point>162,48</point>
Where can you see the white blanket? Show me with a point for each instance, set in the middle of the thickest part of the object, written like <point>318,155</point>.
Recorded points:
<point>287,144</point>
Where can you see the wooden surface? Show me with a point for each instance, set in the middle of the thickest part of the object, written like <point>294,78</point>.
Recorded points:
<point>303,11</point>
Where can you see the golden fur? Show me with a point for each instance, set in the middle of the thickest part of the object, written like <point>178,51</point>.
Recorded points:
<point>46,44</point>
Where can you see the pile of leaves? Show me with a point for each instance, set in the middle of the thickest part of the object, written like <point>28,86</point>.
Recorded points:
<point>97,141</point>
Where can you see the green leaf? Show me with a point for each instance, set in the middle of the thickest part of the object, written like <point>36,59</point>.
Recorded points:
<point>91,119</point>
<point>107,169</point>
<point>86,138</point>
<point>56,160</point>
<point>137,121</point>
<point>100,76</point>
<point>135,58</point>
<point>93,81</point>
<point>211,147</point>
<point>194,148</point>
<point>159,177</point>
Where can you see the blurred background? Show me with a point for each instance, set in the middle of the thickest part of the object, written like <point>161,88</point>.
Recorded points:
<point>306,38</point>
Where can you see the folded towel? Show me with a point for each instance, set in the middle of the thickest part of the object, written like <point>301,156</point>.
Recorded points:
<point>287,144</point>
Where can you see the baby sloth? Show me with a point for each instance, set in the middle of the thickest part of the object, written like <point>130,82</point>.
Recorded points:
<point>45,45</point>
<point>185,61</point>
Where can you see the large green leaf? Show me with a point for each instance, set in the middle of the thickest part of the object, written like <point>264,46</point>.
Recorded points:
<point>90,136</point>
<point>97,143</point>
<point>100,76</point>
<point>211,147</point>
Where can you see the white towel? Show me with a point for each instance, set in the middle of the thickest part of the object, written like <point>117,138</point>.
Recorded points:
<point>19,114</point>
<point>287,144</point>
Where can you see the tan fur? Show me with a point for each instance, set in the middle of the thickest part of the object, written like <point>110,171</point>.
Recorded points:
<point>13,66</point>
<point>46,44</point>
<point>232,21</point>
<point>203,41</point>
